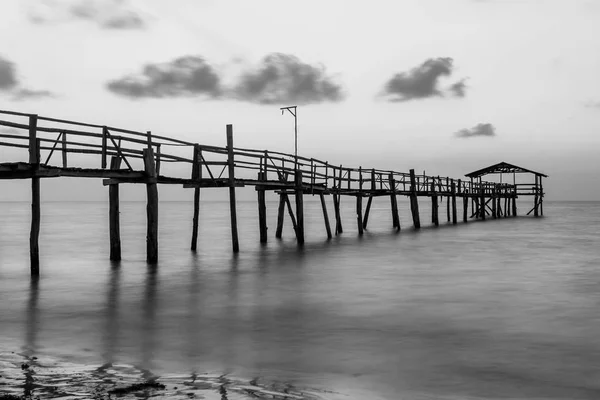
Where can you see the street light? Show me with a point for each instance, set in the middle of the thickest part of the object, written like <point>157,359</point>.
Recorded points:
<point>295,114</point>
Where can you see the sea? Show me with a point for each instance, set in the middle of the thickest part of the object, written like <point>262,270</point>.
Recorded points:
<point>499,309</point>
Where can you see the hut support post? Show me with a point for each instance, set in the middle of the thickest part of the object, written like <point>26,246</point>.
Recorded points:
<point>465,205</point>
<point>114,226</point>
<point>482,204</point>
<point>414,203</point>
<point>34,159</point>
<point>453,190</point>
<point>299,208</point>
<point>232,205</point>
<point>494,210</point>
<point>514,202</point>
<point>325,215</point>
<point>151,207</point>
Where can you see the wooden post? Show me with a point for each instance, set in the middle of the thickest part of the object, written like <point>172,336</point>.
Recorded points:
<point>113,214</point>
<point>448,198</point>
<point>394,202</point>
<point>465,205</point>
<point>367,211</point>
<point>157,159</point>
<point>151,208</point>
<point>280,211</point>
<point>336,204</point>
<point>325,216</point>
<point>541,197</point>
<point>514,202</point>
<point>262,209</point>
<point>104,144</point>
<point>493,197</point>
<point>196,175</point>
<point>299,208</point>
<point>414,203</point>
<point>359,211</point>
<point>535,198</point>
<point>64,149</point>
<point>434,205</point>
<point>34,160</point>
<point>453,190</point>
<point>482,201</point>
<point>232,206</point>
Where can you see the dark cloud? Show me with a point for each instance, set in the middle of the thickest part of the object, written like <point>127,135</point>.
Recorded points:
<point>459,88</point>
<point>477,130</point>
<point>107,14</point>
<point>422,82</point>
<point>23,94</point>
<point>282,79</point>
<point>8,78</point>
<point>593,104</point>
<point>183,77</point>
<point>9,83</point>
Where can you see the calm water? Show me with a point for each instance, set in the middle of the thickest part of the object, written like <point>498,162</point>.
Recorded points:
<point>501,309</point>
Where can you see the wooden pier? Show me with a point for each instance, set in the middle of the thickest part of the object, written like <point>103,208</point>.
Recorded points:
<point>124,156</point>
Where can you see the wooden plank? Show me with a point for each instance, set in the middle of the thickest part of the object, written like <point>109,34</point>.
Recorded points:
<point>414,203</point>
<point>232,204</point>
<point>114,223</point>
<point>196,174</point>
<point>151,209</point>
<point>299,208</point>
<point>325,215</point>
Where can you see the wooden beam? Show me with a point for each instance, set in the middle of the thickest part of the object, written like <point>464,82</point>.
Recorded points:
<point>113,218</point>
<point>232,205</point>
<point>280,211</point>
<point>368,209</point>
<point>151,208</point>
<point>434,205</point>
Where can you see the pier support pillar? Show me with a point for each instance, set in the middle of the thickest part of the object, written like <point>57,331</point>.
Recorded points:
<point>514,203</point>
<point>482,204</point>
<point>338,217</point>
<point>414,203</point>
<point>299,208</point>
<point>262,209</point>
<point>325,215</point>
<point>196,175</point>
<point>359,215</point>
<point>114,226</point>
<point>151,207</point>
<point>367,211</point>
<point>280,211</point>
<point>394,203</point>
<point>494,210</point>
<point>34,160</point>
<point>453,190</point>
<point>434,206</point>
<point>232,205</point>
<point>465,205</point>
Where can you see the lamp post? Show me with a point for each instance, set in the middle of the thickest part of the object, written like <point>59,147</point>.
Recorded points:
<point>294,111</point>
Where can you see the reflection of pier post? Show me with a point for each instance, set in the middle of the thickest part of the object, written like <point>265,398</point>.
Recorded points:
<point>32,327</point>
<point>111,332</point>
<point>149,317</point>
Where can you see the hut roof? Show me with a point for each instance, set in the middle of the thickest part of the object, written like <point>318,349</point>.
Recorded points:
<point>502,167</point>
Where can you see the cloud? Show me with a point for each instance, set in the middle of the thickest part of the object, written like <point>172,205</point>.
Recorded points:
<point>283,78</point>
<point>107,14</point>
<point>9,83</point>
<point>422,82</point>
<point>183,77</point>
<point>593,104</point>
<point>24,93</point>
<point>8,79</point>
<point>459,88</point>
<point>477,130</point>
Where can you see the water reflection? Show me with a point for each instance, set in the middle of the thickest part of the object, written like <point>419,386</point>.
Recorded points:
<point>111,332</point>
<point>149,306</point>
<point>32,324</point>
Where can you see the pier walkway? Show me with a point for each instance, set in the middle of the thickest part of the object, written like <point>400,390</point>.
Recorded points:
<point>53,147</point>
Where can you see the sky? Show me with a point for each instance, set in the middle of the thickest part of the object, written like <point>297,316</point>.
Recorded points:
<point>442,86</point>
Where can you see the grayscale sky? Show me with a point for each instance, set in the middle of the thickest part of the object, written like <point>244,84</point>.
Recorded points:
<point>445,86</point>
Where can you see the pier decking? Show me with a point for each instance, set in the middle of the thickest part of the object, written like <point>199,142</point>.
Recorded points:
<point>62,148</point>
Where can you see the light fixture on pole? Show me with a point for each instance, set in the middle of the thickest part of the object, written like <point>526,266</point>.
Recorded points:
<point>294,111</point>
